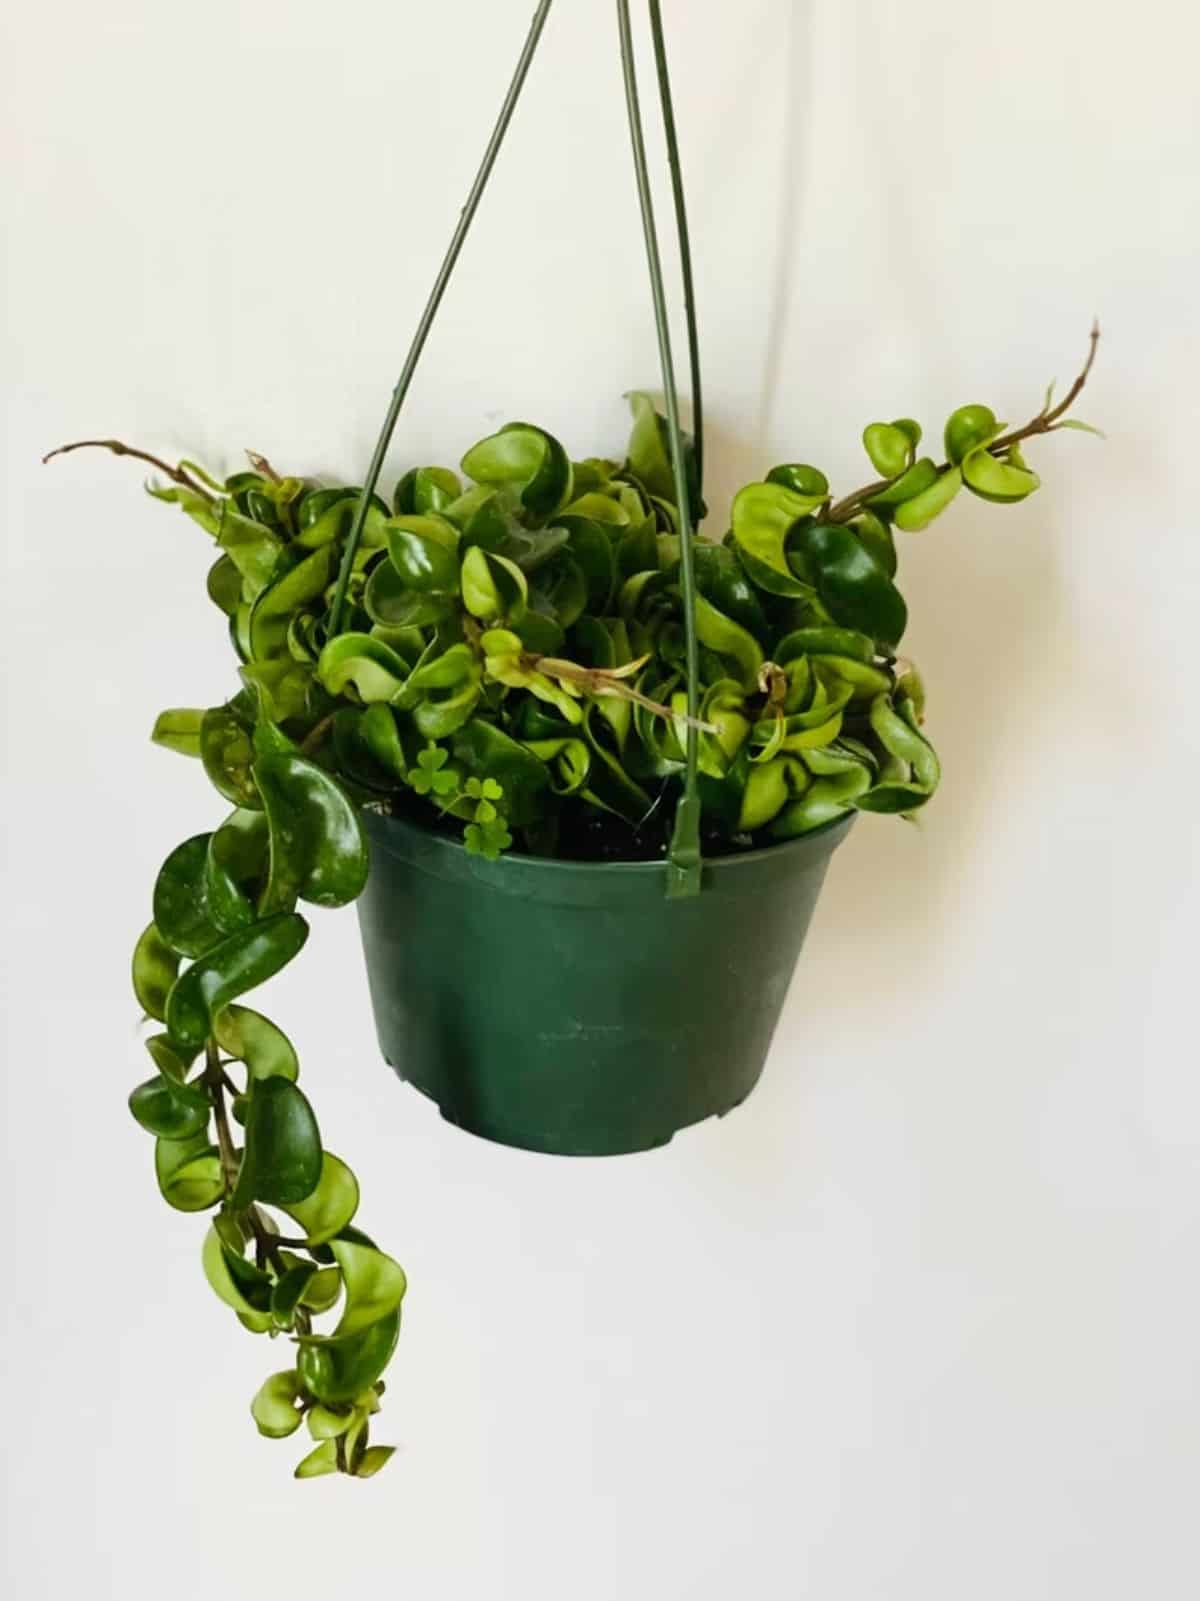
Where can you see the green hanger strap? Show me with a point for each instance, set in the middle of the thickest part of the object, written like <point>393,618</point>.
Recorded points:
<point>431,307</point>
<point>683,860</point>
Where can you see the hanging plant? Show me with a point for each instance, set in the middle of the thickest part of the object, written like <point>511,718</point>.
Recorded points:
<point>532,653</point>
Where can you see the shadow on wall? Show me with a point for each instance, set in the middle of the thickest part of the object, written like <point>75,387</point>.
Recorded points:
<point>988,619</point>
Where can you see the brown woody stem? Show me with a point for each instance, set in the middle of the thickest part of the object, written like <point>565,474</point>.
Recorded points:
<point>1043,423</point>
<point>177,475</point>
<point>214,1076</point>
<point>597,681</point>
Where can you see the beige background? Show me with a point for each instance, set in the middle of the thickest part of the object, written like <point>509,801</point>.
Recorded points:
<point>920,1322</point>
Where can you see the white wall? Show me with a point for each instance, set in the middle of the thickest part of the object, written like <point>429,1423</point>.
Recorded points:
<point>920,1321</point>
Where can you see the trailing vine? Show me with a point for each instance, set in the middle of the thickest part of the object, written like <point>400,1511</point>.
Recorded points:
<point>511,666</point>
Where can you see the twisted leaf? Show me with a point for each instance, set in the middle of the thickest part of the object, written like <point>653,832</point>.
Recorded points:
<point>281,1163</point>
<point>179,730</point>
<point>255,1041</point>
<point>318,851</point>
<point>329,1208</point>
<point>763,517</point>
<point>174,1110</point>
<point>189,1173</point>
<point>239,963</point>
<point>180,909</point>
<point>529,459</point>
<point>274,1407</point>
<point>155,966</point>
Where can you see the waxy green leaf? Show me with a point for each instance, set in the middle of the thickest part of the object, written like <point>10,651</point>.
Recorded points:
<point>330,1207</point>
<point>281,1163</point>
<point>174,1110</point>
<point>239,963</point>
<point>376,671</point>
<point>424,552</point>
<point>649,458</point>
<point>969,427</point>
<point>227,751</point>
<point>920,511</point>
<point>274,1407</point>
<point>373,1459</point>
<point>890,448</point>
<point>274,607</point>
<point>189,1173</point>
<point>919,477</point>
<point>255,1041</point>
<point>990,478</point>
<point>492,586</point>
<point>319,1462</point>
<point>180,907</point>
<point>235,870</point>
<point>764,515</point>
<point>340,1369</point>
<point>425,489</point>
<point>529,459</point>
<point>851,583</point>
<point>241,1285</point>
<point>252,547</point>
<point>739,647</point>
<point>288,1292</point>
<point>179,730</point>
<point>318,851</point>
<point>155,966</point>
<point>340,1366</point>
<point>918,771</point>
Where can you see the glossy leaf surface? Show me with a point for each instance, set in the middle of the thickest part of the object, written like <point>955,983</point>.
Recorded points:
<point>281,1162</point>
<point>239,963</point>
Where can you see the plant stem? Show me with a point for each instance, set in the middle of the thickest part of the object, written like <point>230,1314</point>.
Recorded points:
<point>681,225</point>
<point>214,1075</point>
<point>316,734</point>
<point>176,474</point>
<point>261,465</point>
<point>1043,423</point>
<point>431,307</point>
<point>684,854</point>
<point>600,681</point>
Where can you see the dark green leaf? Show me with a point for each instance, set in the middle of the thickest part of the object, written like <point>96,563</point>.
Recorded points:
<point>180,912</point>
<point>235,870</point>
<point>424,552</point>
<point>287,1293</point>
<point>170,1109</point>
<point>242,961</point>
<point>317,847</point>
<point>853,586</point>
<point>282,1158</point>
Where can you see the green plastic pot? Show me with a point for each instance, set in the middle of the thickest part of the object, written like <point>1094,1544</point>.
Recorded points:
<point>570,1007</point>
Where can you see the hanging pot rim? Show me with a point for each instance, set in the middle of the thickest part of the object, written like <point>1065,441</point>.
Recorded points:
<point>825,838</point>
